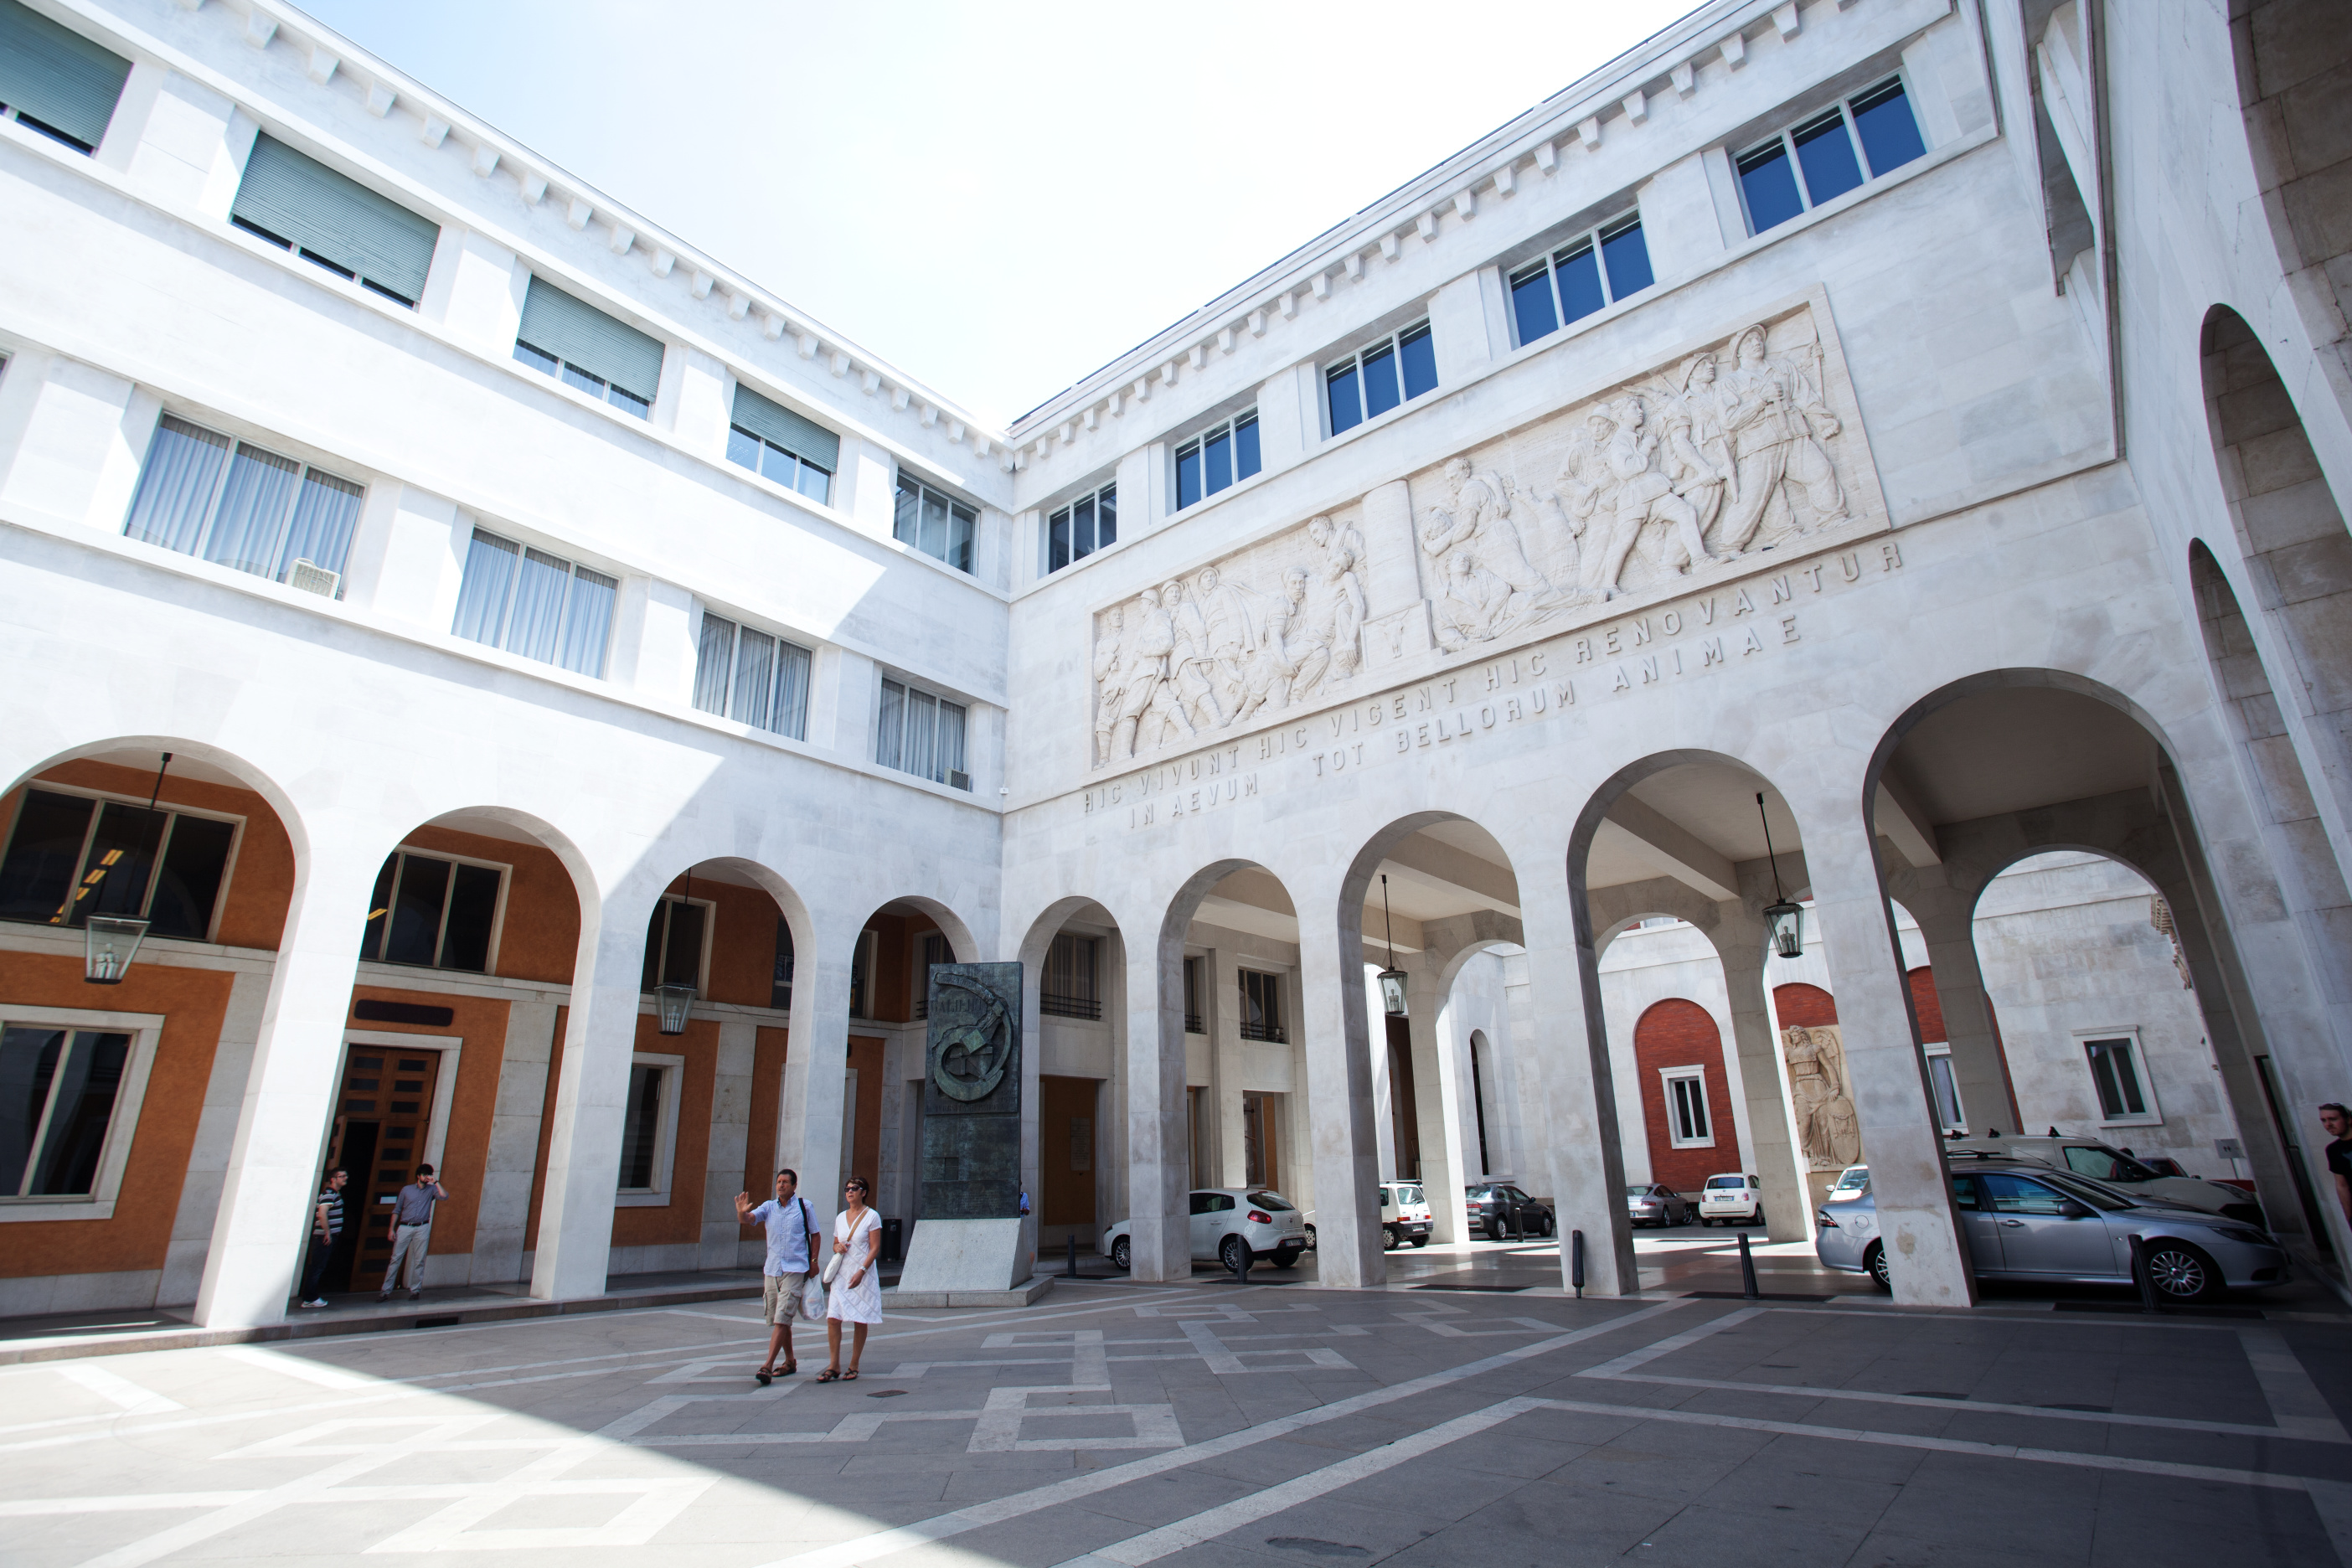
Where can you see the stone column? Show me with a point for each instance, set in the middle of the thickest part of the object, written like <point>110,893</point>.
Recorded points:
<point>1773,1154</point>
<point>1887,1076</point>
<point>1159,1146</point>
<point>260,1232</point>
<point>1571,1121</point>
<point>1947,918</point>
<point>731,1131</point>
<point>817,1061</point>
<point>1436,1099</point>
<point>1222,1015</point>
<point>1335,1044</point>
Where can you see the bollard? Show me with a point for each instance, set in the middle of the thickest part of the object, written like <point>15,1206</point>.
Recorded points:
<point>2141,1274</point>
<point>1575,1262</point>
<point>1241,1264</point>
<point>1073,1255</point>
<point>1746,1269</point>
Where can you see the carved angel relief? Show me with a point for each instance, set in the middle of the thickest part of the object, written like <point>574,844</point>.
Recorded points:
<point>1269,627</point>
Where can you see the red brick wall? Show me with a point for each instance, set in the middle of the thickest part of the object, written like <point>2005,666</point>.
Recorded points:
<point>1802,1006</point>
<point>1928,1005</point>
<point>1676,1034</point>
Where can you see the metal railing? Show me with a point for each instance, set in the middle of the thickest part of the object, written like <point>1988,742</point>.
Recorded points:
<point>1194,1025</point>
<point>1272,1032</point>
<point>1060,1007</point>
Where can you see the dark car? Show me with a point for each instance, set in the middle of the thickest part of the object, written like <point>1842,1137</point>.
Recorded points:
<point>1658,1205</point>
<point>1500,1210</point>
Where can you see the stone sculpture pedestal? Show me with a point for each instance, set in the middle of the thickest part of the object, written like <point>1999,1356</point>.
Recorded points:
<point>967,1263</point>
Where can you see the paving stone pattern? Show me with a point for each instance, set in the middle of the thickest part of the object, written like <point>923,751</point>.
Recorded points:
<point>1207,1422</point>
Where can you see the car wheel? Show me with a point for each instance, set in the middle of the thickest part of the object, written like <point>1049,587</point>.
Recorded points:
<point>1548,1225</point>
<point>1389,1237</point>
<point>1234,1253</point>
<point>1310,1238</point>
<point>1875,1262</point>
<point>1288,1257</point>
<point>2180,1272</point>
<point>1495,1230</point>
<point>1421,1241</point>
<point>1759,1216</point>
<point>1122,1257</point>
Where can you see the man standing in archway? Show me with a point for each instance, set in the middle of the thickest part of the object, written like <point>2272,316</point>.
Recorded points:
<point>2337,1123</point>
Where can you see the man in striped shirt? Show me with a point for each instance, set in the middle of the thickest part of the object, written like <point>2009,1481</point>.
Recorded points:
<point>326,1224</point>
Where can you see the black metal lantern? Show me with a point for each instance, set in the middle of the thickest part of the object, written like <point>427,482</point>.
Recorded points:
<point>111,942</point>
<point>671,1004</point>
<point>1785,921</point>
<point>1391,978</point>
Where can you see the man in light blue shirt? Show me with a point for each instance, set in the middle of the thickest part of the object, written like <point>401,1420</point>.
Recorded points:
<point>792,1242</point>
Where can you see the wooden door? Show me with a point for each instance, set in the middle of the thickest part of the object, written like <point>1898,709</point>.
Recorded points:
<point>383,1119</point>
<point>1066,1150</point>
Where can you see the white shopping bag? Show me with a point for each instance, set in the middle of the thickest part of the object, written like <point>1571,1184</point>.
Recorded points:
<point>812,1299</point>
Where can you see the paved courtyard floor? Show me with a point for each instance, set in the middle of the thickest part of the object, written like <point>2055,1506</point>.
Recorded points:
<point>1209,1422</point>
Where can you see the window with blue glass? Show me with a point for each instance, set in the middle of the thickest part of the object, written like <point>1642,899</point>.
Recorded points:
<point>775,443</point>
<point>1594,269</point>
<point>1379,376</point>
<point>1864,138</point>
<point>1076,530</point>
<point>937,525</point>
<point>1217,458</point>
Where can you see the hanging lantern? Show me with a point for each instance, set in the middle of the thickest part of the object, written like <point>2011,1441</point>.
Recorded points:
<point>1393,992</point>
<point>112,940</point>
<point>671,1004</point>
<point>1787,923</point>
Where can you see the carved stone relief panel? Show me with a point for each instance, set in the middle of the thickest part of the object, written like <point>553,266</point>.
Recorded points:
<point>1828,1129</point>
<point>1694,469</point>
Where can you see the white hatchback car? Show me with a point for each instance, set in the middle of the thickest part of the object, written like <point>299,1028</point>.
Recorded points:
<point>1404,1216</point>
<point>1236,1227</point>
<point>1731,1199</point>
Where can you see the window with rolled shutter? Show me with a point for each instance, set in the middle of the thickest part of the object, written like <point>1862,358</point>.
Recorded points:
<point>771,439</point>
<point>298,202</point>
<point>581,345</point>
<point>54,79</point>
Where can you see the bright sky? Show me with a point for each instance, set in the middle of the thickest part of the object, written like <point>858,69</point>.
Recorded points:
<point>997,198</point>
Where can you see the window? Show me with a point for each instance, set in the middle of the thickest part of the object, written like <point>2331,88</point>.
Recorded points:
<point>778,444</point>
<point>1067,989</point>
<point>1076,530</point>
<point>203,494</point>
<point>298,204</point>
<point>53,80</point>
<point>1588,273</point>
<point>537,604</point>
<point>922,734</point>
<point>71,857</point>
<point>582,347</point>
<point>2016,1195</point>
<point>779,989</point>
<point>649,1130</point>
<point>935,951</point>
<point>1193,1022</point>
<point>57,1093</point>
<point>1824,151</point>
<point>433,910</point>
<point>861,976</point>
<point>1368,383</point>
<point>2115,1073</point>
<point>1687,1120</point>
<point>1216,458</point>
<point>674,942</point>
<point>1262,1006</point>
<point>934,523</point>
<point>1947,1086</point>
<point>751,678</point>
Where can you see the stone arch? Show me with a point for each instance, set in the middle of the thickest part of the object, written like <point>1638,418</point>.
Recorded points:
<point>2292,69</point>
<point>1072,1203</point>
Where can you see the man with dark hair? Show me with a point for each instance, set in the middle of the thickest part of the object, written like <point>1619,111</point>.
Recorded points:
<point>792,1250</point>
<point>411,1231</point>
<point>326,1224</point>
<point>2337,1121</point>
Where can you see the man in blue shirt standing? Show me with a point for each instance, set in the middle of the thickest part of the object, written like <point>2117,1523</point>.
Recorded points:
<point>791,1243</point>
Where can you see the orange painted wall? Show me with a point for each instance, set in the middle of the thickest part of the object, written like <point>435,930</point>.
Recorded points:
<point>865,1055</point>
<point>482,1023</point>
<point>760,1162</point>
<point>539,937</point>
<point>680,1220</point>
<point>193,1002</point>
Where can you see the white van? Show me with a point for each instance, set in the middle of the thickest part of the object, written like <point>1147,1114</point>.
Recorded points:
<point>1731,1199</point>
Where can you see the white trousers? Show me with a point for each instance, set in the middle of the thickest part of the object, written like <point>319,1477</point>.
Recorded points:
<point>408,1242</point>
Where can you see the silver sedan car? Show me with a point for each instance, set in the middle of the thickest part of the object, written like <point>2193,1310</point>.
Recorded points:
<point>2027,1222</point>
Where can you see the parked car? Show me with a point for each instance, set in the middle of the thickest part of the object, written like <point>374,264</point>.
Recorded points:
<point>1404,1216</point>
<point>1657,1205</point>
<point>1500,1209</point>
<point>1235,1226</point>
<point>1852,1183</point>
<point>2024,1220</point>
<point>2105,1162</point>
<point>1731,1199</point>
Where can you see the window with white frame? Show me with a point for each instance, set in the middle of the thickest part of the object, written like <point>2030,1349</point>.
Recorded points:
<point>1862,138</point>
<point>1217,459</point>
<point>1947,1086</point>
<point>777,444</point>
<point>53,80</point>
<point>438,911</point>
<point>2119,1078</point>
<point>934,522</point>
<point>589,351</point>
<point>1687,1123</point>
<point>921,733</point>
<point>1076,530</point>
<point>1588,273</point>
<point>72,855</point>
<point>203,494</point>
<point>70,1087</point>
<point>746,675</point>
<point>539,605</point>
<point>1261,1008</point>
<point>298,204</point>
<point>649,1129</point>
<point>1067,988</point>
<point>678,939</point>
<point>1379,376</point>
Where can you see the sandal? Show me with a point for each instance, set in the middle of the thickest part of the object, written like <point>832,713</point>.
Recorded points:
<point>828,1375</point>
<point>850,1376</point>
<point>791,1366</point>
<point>765,1375</point>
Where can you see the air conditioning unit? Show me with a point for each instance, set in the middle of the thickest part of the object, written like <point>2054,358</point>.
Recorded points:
<point>313,578</point>
<point>958,779</point>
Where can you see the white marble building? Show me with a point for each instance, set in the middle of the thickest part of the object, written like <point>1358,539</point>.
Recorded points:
<point>1914,428</point>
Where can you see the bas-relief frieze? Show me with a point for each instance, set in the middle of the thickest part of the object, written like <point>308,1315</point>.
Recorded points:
<point>1695,469</point>
<point>1692,636</point>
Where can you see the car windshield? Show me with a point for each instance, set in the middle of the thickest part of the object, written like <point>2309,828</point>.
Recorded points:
<point>1409,1193</point>
<point>1637,1192</point>
<point>1856,1180</point>
<point>1272,1202</point>
<point>2102,1164</point>
<point>1717,1184</point>
<point>2096,1194</point>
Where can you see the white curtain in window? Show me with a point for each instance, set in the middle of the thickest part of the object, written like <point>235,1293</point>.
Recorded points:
<point>922,734</point>
<point>755,675</point>
<point>890,733</point>
<point>252,511</point>
<point>324,516</point>
<point>951,726</point>
<point>791,717</point>
<point>490,563</point>
<point>535,624</point>
<point>183,467</point>
<point>713,662</point>
<point>588,621</point>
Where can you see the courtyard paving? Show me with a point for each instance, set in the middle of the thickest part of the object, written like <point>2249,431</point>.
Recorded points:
<point>1211,1423</point>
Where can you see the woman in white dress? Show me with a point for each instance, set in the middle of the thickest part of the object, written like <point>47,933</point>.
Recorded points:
<point>856,1295</point>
